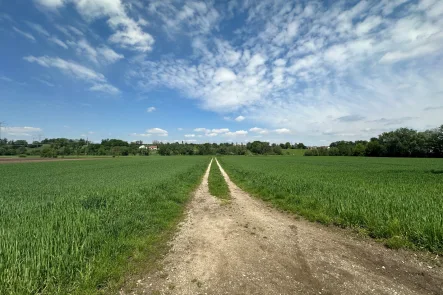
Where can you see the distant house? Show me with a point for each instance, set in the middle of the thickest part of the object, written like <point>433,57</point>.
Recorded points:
<point>142,147</point>
<point>153,148</point>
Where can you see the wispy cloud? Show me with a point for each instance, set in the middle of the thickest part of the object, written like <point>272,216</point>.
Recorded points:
<point>151,109</point>
<point>24,34</point>
<point>44,82</point>
<point>6,79</point>
<point>102,54</point>
<point>21,131</point>
<point>351,118</point>
<point>186,17</point>
<point>436,108</point>
<point>76,70</point>
<point>38,28</point>
<point>58,42</point>
<point>127,33</point>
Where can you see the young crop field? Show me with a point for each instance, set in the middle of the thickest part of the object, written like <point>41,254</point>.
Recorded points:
<point>398,200</point>
<point>79,226</point>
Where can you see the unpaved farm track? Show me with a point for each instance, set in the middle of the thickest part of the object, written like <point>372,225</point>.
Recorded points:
<point>246,247</point>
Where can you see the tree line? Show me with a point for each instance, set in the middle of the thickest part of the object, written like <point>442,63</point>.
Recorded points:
<point>256,147</point>
<point>59,147</point>
<point>402,142</point>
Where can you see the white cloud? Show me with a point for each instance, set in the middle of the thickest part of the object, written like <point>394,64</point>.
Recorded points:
<point>69,67</point>
<point>24,34</point>
<point>189,135</point>
<point>127,32</point>
<point>282,131</point>
<point>58,42</point>
<point>38,28</point>
<point>186,17</point>
<point>151,109</point>
<point>239,118</point>
<point>180,129</point>
<point>201,130</point>
<point>107,88</point>
<point>78,71</point>
<point>20,131</point>
<point>75,31</point>
<point>259,130</point>
<point>157,131</point>
<point>102,54</point>
<point>218,131</point>
<point>224,75</point>
<point>236,133</point>
<point>51,4</point>
<point>109,55</point>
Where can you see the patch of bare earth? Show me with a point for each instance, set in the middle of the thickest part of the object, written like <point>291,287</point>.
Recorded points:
<point>246,247</point>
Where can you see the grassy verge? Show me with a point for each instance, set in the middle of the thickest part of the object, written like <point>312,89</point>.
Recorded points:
<point>397,201</point>
<point>80,227</point>
<point>217,184</point>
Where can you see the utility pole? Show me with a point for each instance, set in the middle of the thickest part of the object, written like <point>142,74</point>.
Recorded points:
<point>87,145</point>
<point>1,123</point>
<point>39,140</point>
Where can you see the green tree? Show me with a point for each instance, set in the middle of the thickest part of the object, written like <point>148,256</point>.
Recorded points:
<point>277,150</point>
<point>359,150</point>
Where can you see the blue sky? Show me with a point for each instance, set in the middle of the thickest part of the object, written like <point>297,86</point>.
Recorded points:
<point>217,71</point>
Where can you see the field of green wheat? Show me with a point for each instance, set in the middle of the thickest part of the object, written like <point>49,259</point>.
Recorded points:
<point>78,226</point>
<point>397,200</point>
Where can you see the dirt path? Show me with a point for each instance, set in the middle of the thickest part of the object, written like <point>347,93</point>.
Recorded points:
<point>246,247</point>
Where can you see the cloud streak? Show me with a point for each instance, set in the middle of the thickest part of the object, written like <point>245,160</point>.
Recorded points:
<point>75,70</point>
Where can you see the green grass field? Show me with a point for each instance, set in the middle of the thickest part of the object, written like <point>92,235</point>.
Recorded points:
<point>294,152</point>
<point>398,200</point>
<point>217,184</point>
<point>78,227</point>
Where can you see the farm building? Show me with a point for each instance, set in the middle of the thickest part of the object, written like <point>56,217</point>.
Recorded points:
<point>153,148</point>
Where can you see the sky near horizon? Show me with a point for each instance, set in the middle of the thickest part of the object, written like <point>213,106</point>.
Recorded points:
<point>218,71</point>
